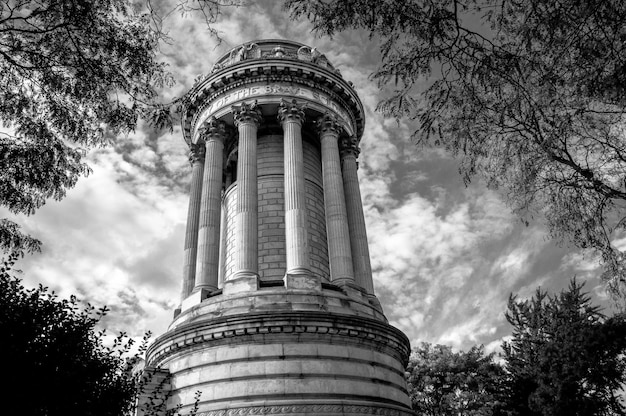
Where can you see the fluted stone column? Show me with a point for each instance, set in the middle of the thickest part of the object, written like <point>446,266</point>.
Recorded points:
<point>298,273</point>
<point>247,119</point>
<point>337,231</point>
<point>196,158</point>
<point>356,217</point>
<point>208,261</point>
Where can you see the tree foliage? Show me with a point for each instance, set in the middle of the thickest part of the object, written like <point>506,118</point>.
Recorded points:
<point>442,382</point>
<point>529,94</point>
<point>75,74</point>
<point>56,362</point>
<point>565,357</point>
<point>210,10</point>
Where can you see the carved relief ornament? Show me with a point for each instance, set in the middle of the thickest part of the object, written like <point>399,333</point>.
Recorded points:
<point>316,409</point>
<point>328,124</point>
<point>212,129</point>
<point>291,111</point>
<point>196,152</point>
<point>278,52</point>
<point>349,146</point>
<point>249,51</point>
<point>247,113</point>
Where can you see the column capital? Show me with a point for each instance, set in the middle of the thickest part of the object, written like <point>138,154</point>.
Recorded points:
<point>196,152</point>
<point>291,111</point>
<point>212,129</point>
<point>328,124</point>
<point>247,113</point>
<point>349,147</point>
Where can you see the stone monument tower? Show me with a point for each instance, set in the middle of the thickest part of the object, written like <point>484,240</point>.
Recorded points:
<point>278,313</point>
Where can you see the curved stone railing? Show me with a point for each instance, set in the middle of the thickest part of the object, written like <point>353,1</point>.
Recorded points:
<point>273,50</point>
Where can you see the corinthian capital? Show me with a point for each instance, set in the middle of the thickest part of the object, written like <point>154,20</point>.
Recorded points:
<point>291,111</point>
<point>328,124</point>
<point>196,152</point>
<point>247,113</point>
<point>349,147</point>
<point>213,129</point>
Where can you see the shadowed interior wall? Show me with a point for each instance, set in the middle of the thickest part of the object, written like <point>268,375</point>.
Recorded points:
<point>272,211</point>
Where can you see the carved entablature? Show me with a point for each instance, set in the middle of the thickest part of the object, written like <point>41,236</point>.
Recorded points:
<point>271,71</point>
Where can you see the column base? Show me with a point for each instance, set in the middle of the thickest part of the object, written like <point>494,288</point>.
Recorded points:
<point>373,300</point>
<point>353,290</point>
<point>241,282</point>
<point>195,298</point>
<point>304,280</point>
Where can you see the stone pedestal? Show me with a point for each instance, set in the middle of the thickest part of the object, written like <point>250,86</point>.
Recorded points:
<point>287,352</point>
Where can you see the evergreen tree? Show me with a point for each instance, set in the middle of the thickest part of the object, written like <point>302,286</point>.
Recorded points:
<point>565,357</point>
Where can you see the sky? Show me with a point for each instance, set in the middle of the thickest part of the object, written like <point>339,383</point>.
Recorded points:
<point>445,256</point>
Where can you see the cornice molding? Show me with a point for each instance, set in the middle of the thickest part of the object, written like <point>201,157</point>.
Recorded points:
<point>313,409</point>
<point>291,326</point>
<point>264,72</point>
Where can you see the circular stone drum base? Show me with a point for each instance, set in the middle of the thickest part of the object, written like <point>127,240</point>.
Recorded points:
<point>290,362</point>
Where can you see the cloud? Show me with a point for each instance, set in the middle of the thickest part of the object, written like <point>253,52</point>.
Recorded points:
<point>425,255</point>
<point>113,243</point>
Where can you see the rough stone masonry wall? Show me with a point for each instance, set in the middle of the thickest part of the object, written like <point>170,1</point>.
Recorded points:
<point>272,262</point>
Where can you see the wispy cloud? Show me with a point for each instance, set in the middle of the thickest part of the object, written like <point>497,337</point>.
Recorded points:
<point>115,240</point>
